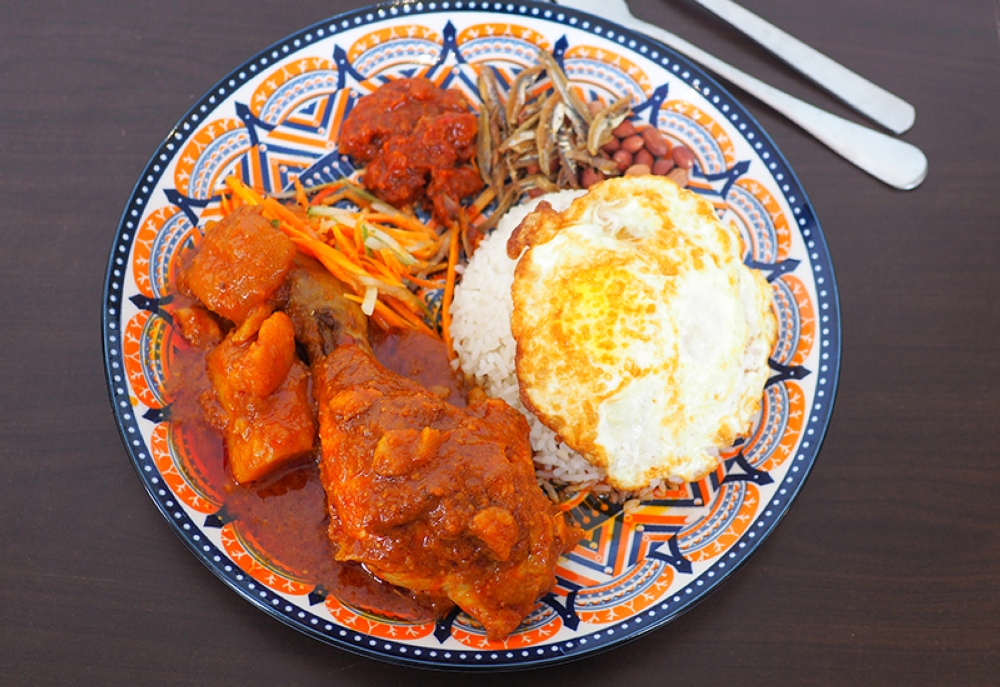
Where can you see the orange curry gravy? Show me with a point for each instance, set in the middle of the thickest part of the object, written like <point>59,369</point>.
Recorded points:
<point>286,515</point>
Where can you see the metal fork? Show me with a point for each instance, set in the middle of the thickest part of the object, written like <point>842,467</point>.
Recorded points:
<point>894,162</point>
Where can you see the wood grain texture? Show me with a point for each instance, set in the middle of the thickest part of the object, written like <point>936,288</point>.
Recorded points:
<point>886,569</point>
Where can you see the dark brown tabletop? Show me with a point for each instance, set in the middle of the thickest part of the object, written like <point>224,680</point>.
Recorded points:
<point>886,570</point>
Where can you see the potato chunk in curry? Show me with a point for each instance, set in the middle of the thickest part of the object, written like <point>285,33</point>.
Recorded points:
<point>240,263</point>
<point>263,390</point>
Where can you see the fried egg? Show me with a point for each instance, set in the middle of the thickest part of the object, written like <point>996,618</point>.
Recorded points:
<point>641,337</point>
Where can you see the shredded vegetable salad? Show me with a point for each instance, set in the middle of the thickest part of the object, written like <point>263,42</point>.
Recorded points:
<point>381,253</point>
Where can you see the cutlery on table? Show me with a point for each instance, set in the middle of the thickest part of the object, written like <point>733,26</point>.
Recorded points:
<point>894,162</point>
<point>871,100</point>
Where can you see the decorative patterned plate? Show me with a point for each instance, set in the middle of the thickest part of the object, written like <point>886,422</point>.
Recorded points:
<point>278,115</point>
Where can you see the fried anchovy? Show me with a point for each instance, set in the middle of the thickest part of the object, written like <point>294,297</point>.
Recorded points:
<point>604,123</point>
<point>493,129</point>
<point>518,91</point>
<point>545,137</point>
<point>516,141</point>
<point>578,113</point>
<point>599,163</point>
<point>511,194</point>
<point>538,181</point>
<point>484,144</point>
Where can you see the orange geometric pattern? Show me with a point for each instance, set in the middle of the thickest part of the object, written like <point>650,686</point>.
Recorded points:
<point>807,318</point>
<point>708,124</point>
<point>159,250</point>
<point>644,586</point>
<point>143,248</point>
<point>530,633</point>
<point>376,625</point>
<point>627,75</point>
<point>796,320</point>
<point>381,37</point>
<point>169,449</point>
<point>507,31</point>
<point>245,552</point>
<point>777,217</point>
<point>795,414</point>
<point>739,522</point>
<point>271,109</point>
<point>204,159</point>
<point>143,332</point>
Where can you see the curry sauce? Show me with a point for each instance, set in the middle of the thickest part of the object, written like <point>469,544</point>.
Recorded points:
<point>286,515</point>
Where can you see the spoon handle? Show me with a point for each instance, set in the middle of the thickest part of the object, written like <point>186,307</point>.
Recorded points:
<point>871,100</point>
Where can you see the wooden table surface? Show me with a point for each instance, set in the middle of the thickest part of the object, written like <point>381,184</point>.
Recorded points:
<point>886,570</point>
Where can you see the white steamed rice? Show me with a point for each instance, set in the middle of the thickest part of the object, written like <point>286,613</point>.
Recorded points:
<point>480,330</point>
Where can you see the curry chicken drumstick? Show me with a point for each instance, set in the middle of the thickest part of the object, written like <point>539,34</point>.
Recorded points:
<point>436,499</point>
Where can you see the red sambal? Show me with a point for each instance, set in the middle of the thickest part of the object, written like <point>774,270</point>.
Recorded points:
<point>417,141</point>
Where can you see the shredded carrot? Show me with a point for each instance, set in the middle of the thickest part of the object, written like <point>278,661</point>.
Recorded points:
<point>411,318</point>
<point>224,203</point>
<point>359,240</point>
<point>300,194</point>
<point>384,271</point>
<point>318,197</point>
<point>346,247</point>
<point>243,192</point>
<point>280,212</point>
<point>437,267</point>
<point>336,197</point>
<point>390,317</point>
<point>339,243</point>
<point>449,289</point>
<point>402,221</point>
<point>315,250</point>
<point>393,263</point>
<point>355,197</point>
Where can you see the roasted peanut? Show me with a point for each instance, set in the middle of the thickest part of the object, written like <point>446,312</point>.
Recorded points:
<point>679,176</point>
<point>624,130</point>
<point>590,176</point>
<point>633,144</point>
<point>683,157</point>
<point>656,144</point>
<point>662,165</point>
<point>623,158</point>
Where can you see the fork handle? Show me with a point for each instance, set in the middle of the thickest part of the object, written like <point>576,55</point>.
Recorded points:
<point>874,102</point>
<point>897,163</point>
